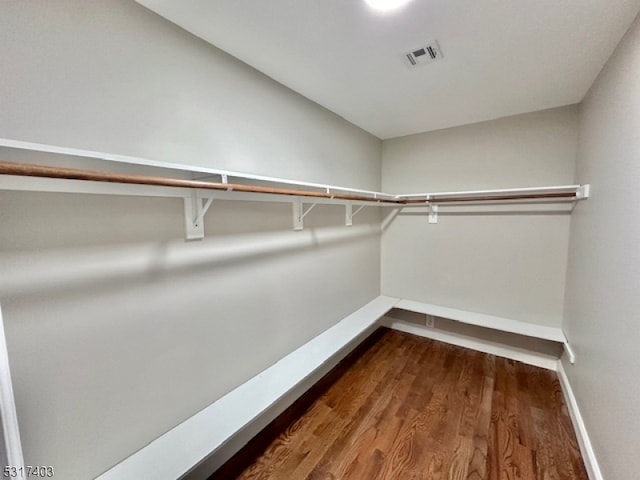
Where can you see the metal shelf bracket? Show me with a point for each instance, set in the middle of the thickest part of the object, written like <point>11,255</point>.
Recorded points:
<point>570,353</point>
<point>194,211</point>
<point>433,213</point>
<point>349,213</point>
<point>583,191</point>
<point>299,213</point>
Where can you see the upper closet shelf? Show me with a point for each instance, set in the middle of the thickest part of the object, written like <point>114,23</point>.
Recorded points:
<point>556,193</point>
<point>198,194</point>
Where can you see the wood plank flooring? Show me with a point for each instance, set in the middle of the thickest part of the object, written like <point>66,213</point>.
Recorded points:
<point>411,408</point>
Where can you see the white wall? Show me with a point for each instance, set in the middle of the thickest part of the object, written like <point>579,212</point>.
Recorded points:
<point>118,329</point>
<point>114,77</point>
<point>603,280</point>
<point>507,264</point>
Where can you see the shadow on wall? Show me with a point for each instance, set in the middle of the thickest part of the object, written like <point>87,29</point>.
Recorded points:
<point>486,209</point>
<point>63,243</point>
<point>70,271</point>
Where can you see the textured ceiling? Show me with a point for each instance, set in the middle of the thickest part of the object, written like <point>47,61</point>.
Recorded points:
<point>501,57</point>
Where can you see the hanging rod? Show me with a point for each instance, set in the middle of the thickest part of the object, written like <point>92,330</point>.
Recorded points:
<point>494,198</point>
<point>204,171</point>
<point>570,193</point>
<point>326,193</point>
<point>31,170</point>
<point>192,192</point>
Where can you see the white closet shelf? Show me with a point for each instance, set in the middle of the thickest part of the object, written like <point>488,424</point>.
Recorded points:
<point>197,171</point>
<point>553,193</point>
<point>199,194</point>
<point>181,449</point>
<point>206,433</point>
<point>544,332</point>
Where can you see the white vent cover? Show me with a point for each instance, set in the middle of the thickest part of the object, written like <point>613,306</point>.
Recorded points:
<point>423,55</point>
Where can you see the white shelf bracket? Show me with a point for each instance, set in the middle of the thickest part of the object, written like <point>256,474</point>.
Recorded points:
<point>583,192</point>
<point>308,209</point>
<point>194,211</point>
<point>569,351</point>
<point>433,213</point>
<point>349,213</point>
<point>386,222</point>
<point>299,213</point>
<point>224,178</point>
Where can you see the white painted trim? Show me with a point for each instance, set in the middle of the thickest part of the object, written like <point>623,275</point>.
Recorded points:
<point>494,348</point>
<point>503,191</point>
<point>588,455</point>
<point>376,196</point>
<point>76,152</point>
<point>11,430</point>
<point>483,320</point>
<point>501,206</point>
<point>571,355</point>
<point>181,449</point>
<point>58,185</point>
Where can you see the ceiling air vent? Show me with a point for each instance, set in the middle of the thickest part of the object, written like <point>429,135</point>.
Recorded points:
<point>428,53</point>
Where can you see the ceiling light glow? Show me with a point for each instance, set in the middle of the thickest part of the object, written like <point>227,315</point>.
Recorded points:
<point>386,5</point>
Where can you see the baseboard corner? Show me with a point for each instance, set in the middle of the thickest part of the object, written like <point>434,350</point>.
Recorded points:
<point>588,455</point>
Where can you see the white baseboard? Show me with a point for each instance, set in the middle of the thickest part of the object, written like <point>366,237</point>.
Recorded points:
<point>525,356</point>
<point>196,447</point>
<point>588,455</point>
<point>530,358</point>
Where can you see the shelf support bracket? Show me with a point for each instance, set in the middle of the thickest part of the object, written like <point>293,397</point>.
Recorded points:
<point>299,213</point>
<point>583,192</point>
<point>433,213</point>
<point>194,211</point>
<point>569,351</point>
<point>349,213</point>
<point>389,218</point>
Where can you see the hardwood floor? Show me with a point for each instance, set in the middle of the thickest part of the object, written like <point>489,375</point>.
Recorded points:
<point>410,408</point>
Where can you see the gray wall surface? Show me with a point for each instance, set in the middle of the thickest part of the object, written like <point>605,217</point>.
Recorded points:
<point>117,329</point>
<point>603,278</point>
<point>114,77</point>
<point>502,262</point>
